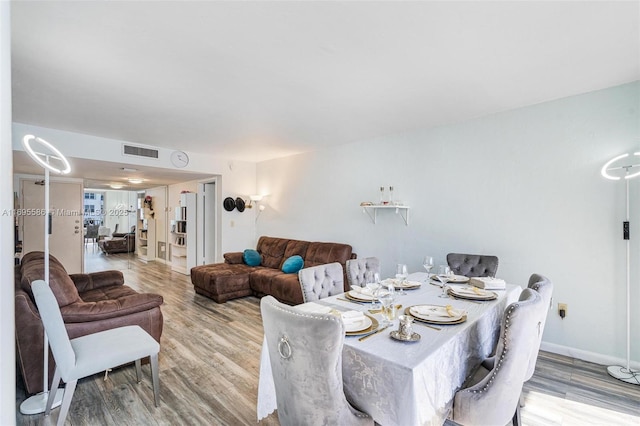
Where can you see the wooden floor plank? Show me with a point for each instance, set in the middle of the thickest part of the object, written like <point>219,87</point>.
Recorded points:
<point>210,359</point>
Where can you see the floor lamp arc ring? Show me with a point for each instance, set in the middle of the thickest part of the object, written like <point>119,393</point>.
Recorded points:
<point>46,152</point>
<point>622,167</point>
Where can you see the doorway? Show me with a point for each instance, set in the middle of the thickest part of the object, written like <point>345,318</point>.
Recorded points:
<point>208,222</point>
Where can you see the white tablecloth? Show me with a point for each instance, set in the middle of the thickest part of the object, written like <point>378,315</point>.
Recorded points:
<point>401,383</point>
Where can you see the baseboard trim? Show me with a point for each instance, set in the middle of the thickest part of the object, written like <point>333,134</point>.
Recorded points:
<point>587,356</point>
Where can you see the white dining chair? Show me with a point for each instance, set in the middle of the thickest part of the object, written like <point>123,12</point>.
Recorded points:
<point>90,354</point>
<point>492,398</point>
<point>357,269</point>
<point>318,282</point>
<point>305,353</point>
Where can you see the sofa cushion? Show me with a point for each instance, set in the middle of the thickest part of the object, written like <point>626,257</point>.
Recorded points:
<point>251,257</point>
<point>295,247</point>
<point>109,302</point>
<point>272,251</point>
<point>260,280</point>
<point>61,284</point>
<point>293,264</point>
<point>286,287</point>
<point>323,253</point>
<point>233,257</point>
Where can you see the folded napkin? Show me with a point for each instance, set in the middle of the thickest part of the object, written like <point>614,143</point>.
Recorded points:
<point>488,283</point>
<point>438,311</point>
<point>352,317</point>
<point>314,308</point>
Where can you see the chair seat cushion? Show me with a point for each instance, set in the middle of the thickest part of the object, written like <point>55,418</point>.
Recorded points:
<point>94,352</point>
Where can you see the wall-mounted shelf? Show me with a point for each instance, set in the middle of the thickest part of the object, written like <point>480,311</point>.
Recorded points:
<point>372,211</point>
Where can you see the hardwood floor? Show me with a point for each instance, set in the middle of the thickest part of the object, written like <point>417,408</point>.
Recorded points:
<point>209,365</point>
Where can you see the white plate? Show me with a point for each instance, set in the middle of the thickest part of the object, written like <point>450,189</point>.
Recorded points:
<point>359,325</point>
<point>472,293</point>
<point>435,313</point>
<point>360,296</point>
<point>406,285</point>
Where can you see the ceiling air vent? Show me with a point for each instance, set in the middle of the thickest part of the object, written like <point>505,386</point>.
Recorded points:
<point>139,151</point>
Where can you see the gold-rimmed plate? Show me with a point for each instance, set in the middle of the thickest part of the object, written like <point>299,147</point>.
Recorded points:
<point>374,326</point>
<point>398,284</point>
<point>472,293</point>
<point>435,319</point>
<point>358,297</point>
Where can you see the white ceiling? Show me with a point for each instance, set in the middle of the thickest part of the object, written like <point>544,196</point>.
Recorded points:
<point>259,80</point>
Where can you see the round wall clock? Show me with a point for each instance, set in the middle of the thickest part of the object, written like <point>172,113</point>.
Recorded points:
<point>179,159</point>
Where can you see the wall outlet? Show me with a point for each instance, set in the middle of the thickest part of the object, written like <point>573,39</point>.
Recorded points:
<point>562,310</point>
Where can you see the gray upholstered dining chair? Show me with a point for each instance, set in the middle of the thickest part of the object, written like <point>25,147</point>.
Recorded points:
<point>305,351</point>
<point>492,397</point>
<point>90,354</point>
<point>318,282</point>
<point>92,233</point>
<point>544,287</point>
<point>357,268</point>
<point>473,265</point>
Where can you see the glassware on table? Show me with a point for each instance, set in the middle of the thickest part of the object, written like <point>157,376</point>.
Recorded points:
<point>427,263</point>
<point>372,282</point>
<point>444,275</point>
<point>388,309</point>
<point>401,274</point>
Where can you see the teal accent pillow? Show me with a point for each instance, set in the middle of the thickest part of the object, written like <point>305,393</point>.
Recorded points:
<point>292,264</point>
<point>251,257</point>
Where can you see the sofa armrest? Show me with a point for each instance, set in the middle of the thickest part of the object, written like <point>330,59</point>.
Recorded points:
<point>105,309</point>
<point>85,282</point>
<point>234,258</point>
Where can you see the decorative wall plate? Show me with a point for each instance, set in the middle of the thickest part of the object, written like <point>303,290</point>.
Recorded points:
<point>229,204</point>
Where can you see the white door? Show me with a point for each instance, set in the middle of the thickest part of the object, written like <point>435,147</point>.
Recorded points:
<point>67,238</point>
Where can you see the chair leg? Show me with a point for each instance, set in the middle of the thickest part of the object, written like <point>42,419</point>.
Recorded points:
<point>154,378</point>
<point>521,402</point>
<point>138,371</point>
<point>66,401</point>
<point>52,391</point>
<point>516,417</point>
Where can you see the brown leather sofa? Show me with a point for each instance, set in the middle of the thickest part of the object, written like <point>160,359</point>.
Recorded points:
<point>89,303</point>
<point>124,244</point>
<point>233,278</point>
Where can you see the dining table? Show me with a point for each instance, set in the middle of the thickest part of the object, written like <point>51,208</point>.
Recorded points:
<point>409,382</point>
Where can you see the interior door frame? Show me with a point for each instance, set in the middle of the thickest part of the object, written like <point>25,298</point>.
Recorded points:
<point>205,219</point>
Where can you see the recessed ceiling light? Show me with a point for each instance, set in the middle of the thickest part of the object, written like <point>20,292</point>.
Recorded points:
<point>116,186</point>
<point>135,180</point>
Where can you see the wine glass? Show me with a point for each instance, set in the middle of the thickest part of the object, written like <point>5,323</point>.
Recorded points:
<point>401,274</point>
<point>372,281</point>
<point>444,275</point>
<point>388,310</point>
<point>427,263</point>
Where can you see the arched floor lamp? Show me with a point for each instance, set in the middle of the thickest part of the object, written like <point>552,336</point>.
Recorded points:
<point>616,172</point>
<point>48,159</point>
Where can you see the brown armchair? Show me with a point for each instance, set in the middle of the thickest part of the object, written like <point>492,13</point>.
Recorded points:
<point>88,302</point>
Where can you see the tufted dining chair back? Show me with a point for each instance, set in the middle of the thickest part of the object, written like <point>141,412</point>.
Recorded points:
<point>473,265</point>
<point>305,352</point>
<point>544,287</point>
<point>357,268</point>
<point>318,282</point>
<point>493,399</point>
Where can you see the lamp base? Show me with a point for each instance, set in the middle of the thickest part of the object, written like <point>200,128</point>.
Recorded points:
<point>38,402</point>
<point>624,374</point>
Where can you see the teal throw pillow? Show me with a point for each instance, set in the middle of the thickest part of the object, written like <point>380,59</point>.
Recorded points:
<point>251,257</point>
<point>292,264</point>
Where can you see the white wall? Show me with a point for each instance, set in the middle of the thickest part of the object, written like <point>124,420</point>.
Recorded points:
<point>7,355</point>
<point>237,178</point>
<point>524,185</point>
